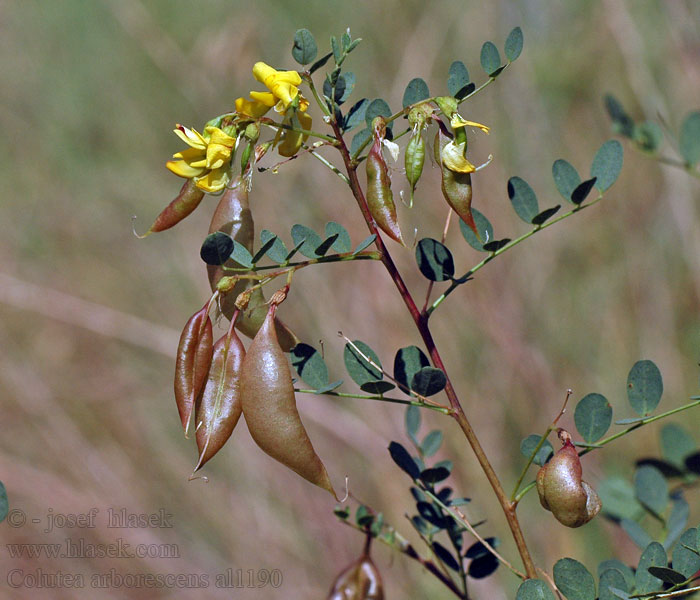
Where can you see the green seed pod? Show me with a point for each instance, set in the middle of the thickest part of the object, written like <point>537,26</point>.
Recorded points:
<point>456,187</point>
<point>270,409</point>
<point>562,491</point>
<point>414,159</point>
<point>194,355</point>
<point>233,216</point>
<point>379,196</point>
<point>360,581</point>
<point>184,204</point>
<point>219,405</point>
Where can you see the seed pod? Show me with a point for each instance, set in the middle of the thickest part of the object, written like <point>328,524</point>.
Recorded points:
<point>270,409</point>
<point>562,491</point>
<point>414,158</point>
<point>194,354</point>
<point>186,201</point>
<point>360,581</point>
<point>456,187</point>
<point>219,404</point>
<point>379,196</point>
<point>233,216</point>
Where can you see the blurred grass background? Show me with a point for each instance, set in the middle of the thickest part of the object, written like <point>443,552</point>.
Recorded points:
<point>90,316</point>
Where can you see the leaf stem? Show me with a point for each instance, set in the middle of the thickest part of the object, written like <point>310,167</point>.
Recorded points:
<point>436,407</point>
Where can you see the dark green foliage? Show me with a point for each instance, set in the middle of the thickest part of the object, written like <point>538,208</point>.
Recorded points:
<point>618,499</point>
<point>306,240</point>
<point>407,362</point>
<point>607,164</point>
<point>365,243</point>
<point>356,114</point>
<point>216,248</point>
<point>278,251</point>
<point>342,243</point>
<point>484,228</point>
<point>514,44</point>
<point>416,90</point>
<point>457,79</point>
<point>685,558</point>
<point>566,178</point>
<point>593,416</point>
<point>528,445</point>
<point>534,589</point>
<point>622,122</point>
<point>582,190</point>
<point>651,488</point>
<point>544,216</point>
<point>574,580</point>
<point>523,198</point>
<point>644,387</point>
<point>490,59</point>
<point>359,139</point>
<point>431,444</point>
<point>403,459</point>
<point>310,366</point>
<point>446,557</point>
<point>428,381</point>
<point>377,108</point>
<point>304,49</point>
<point>653,556</point>
<point>357,366</point>
<point>434,260</point>
<point>676,444</point>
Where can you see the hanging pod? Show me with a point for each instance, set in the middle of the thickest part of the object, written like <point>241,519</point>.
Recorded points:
<point>270,409</point>
<point>380,199</point>
<point>194,355</point>
<point>562,491</point>
<point>184,204</point>
<point>414,159</point>
<point>360,581</point>
<point>233,216</point>
<point>219,404</point>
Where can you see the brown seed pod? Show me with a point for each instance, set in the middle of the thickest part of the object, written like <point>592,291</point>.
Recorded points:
<point>270,409</point>
<point>360,581</point>
<point>184,204</point>
<point>562,491</point>
<point>219,405</point>
<point>233,216</point>
<point>194,354</point>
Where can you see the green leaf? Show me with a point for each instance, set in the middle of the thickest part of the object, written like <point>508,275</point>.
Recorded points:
<point>477,549</point>
<point>534,589</point>
<point>582,190</point>
<point>325,245</point>
<point>677,520</point>
<point>278,251</point>
<point>528,445</point>
<point>445,464</point>
<point>356,114</point>
<point>330,387</point>
<point>636,532</point>
<point>403,459</point>
<point>545,215</point>
<point>216,248</point>
<point>337,51</point>
<point>342,512</point>
<point>622,122</point>
<point>490,58</point>
<point>676,444</point>
<point>335,92</point>
<point>483,566</point>
<point>593,417</point>
<point>364,243</point>
<point>264,248</point>
<point>683,560</point>
<point>484,228</point>
<point>304,49</point>
<point>320,63</point>
<point>613,563</point>
<point>428,381</point>
<point>377,108</point>
<point>689,140</point>
<point>416,90</point>
<point>566,178</point>
<point>617,496</point>
<point>644,387</point>
<point>349,79</point>
<point>457,78</point>
<point>431,443</point>
<point>294,250</point>
<point>459,501</point>
<point>514,44</point>
<point>523,198</point>
<point>629,421</point>
<point>342,243</point>
<point>649,136</point>
<point>407,362</point>
<point>496,245</point>
<point>668,575</point>
<point>4,502</point>
<point>241,255</point>
<point>607,164</point>
<point>612,578</point>
<point>651,488</point>
<point>359,139</point>
<point>446,557</point>
<point>413,418</point>
<point>377,387</point>
<point>574,580</point>
<point>308,239</point>
<point>358,368</point>
<point>653,556</point>
<point>434,260</point>
<point>363,516</point>
<point>434,475</point>
<point>310,366</point>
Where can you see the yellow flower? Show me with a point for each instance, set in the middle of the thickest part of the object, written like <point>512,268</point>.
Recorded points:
<point>458,121</point>
<point>282,84</point>
<point>206,160</point>
<point>290,141</point>
<point>258,104</point>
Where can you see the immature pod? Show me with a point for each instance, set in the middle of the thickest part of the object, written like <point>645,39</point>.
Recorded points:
<point>562,491</point>
<point>186,201</point>
<point>270,409</point>
<point>219,405</point>
<point>360,581</point>
<point>414,159</point>
<point>194,355</point>
<point>380,199</point>
<point>233,216</point>
<point>456,186</point>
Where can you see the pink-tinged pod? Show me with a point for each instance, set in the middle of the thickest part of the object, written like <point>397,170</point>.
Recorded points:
<point>233,216</point>
<point>184,204</point>
<point>194,354</point>
<point>562,491</point>
<point>360,581</point>
<point>219,405</point>
<point>270,410</point>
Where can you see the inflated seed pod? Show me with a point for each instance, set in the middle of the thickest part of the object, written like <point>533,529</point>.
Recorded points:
<point>184,204</point>
<point>562,491</point>
<point>456,187</point>
<point>219,404</point>
<point>414,159</point>
<point>380,199</point>
<point>233,216</point>
<point>270,409</point>
<point>194,355</point>
<point>360,581</point>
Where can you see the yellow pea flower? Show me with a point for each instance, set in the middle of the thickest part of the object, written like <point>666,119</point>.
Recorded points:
<point>206,160</point>
<point>284,85</point>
